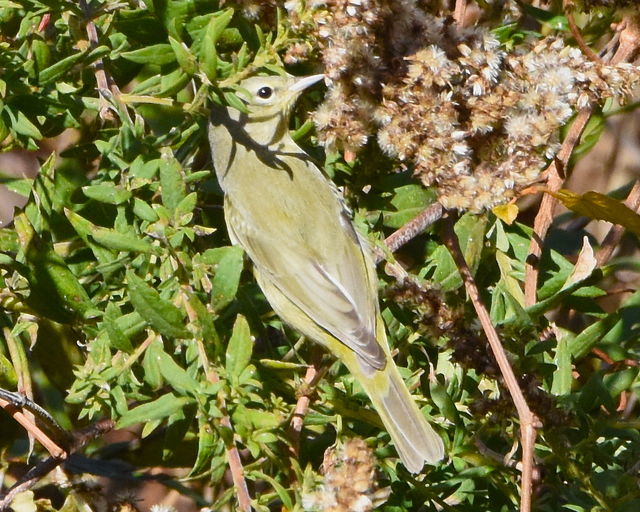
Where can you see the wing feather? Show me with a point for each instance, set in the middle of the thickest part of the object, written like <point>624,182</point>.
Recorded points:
<point>330,284</point>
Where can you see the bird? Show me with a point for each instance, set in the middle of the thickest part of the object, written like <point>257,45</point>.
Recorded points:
<point>314,268</point>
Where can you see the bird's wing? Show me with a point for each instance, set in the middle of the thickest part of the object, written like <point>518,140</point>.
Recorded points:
<point>334,291</point>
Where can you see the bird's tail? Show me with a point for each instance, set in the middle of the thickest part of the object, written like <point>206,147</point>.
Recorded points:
<point>413,437</point>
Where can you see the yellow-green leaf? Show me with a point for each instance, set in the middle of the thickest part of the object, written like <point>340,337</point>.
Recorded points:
<point>600,207</point>
<point>507,213</point>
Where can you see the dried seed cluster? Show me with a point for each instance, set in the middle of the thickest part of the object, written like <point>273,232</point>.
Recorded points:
<point>349,481</point>
<point>475,121</point>
<point>588,4</point>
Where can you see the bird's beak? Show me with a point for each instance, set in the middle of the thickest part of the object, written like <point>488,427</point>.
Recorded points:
<point>304,82</point>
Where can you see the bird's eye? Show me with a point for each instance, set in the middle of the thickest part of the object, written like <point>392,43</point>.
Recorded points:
<point>265,92</point>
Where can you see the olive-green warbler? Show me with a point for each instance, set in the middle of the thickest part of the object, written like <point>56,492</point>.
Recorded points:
<point>314,268</point>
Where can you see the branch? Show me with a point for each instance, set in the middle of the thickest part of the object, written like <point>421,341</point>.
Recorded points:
<point>459,12</point>
<point>629,43</point>
<point>577,35</point>
<point>466,13</point>
<point>314,373</point>
<point>36,473</point>
<point>614,235</point>
<point>233,455</point>
<point>542,222</point>
<point>414,227</point>
<point>528,421</point>
<point>30,478</point>
<point>37,422</point>
<point>102,80</point>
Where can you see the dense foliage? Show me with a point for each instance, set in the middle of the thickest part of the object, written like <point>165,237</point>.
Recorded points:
<point>121,297</point>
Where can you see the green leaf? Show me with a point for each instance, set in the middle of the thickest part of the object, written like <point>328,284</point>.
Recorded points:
<point>144,211</point>
<point>239,349</point>
<point>589,337</point>
<point>158,54</point>
<point>85,229</point>
<point>470,230</point>
<point>21,186</point>
<point>620,381</point>
<point>122,242</point>
<point>8,377</point>
<point>8,240</point>
<point>256,419</point>
<point>117,337</point>
<point>172,83</point>
<point>590,135</point>
<point>187,205</point>
<point>280,490</point>
<point>409,201</point>
<point>23,126</point>
<point>562,376</point>
<point>220,23</point>
<point>506,276</point>
<point>53,286</point>
<point>159,313</point>
<point>186,60</point>
<point>234,101</point>
<point>594,394</point>
<point>443,401</point>
<point>59,68</point>
<point>283,365</point>
<point>174,375</point>
<point>107,193</point>
<point>197,176</point>
<point>207,443</point>
<point>208,51</point>
<point>152,375</point>
<point>157,410</point>
<point>205,323</point>
<point>228,262</point>
<point>171,183</point>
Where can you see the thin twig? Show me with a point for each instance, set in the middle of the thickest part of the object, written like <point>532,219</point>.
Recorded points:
<point>302,405</point>
<point>233,455</point>
<point>628,39</point>
<point>614,365</point>
<point>544,218</point>
<point>102,80</point>
<point>528,421</point>
<point>31,478</point>
<point>614,235</point>
<point>28,423</point>
<point>404,235</point>
<point>414,227</point>
<point>459,11</point>
<point>577,35</point>
<point>313,374</point>
<point>235,465</point>
<point>37,422</point>
<point>35,474</point>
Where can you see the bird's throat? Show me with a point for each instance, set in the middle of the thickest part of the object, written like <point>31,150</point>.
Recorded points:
<point>267,130</point>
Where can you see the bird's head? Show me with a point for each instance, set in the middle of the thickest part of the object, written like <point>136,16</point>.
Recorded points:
<point>269,100</point>
<point>268,96</point>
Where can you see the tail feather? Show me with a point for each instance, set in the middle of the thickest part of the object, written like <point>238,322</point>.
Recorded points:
<point>413,437</point>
